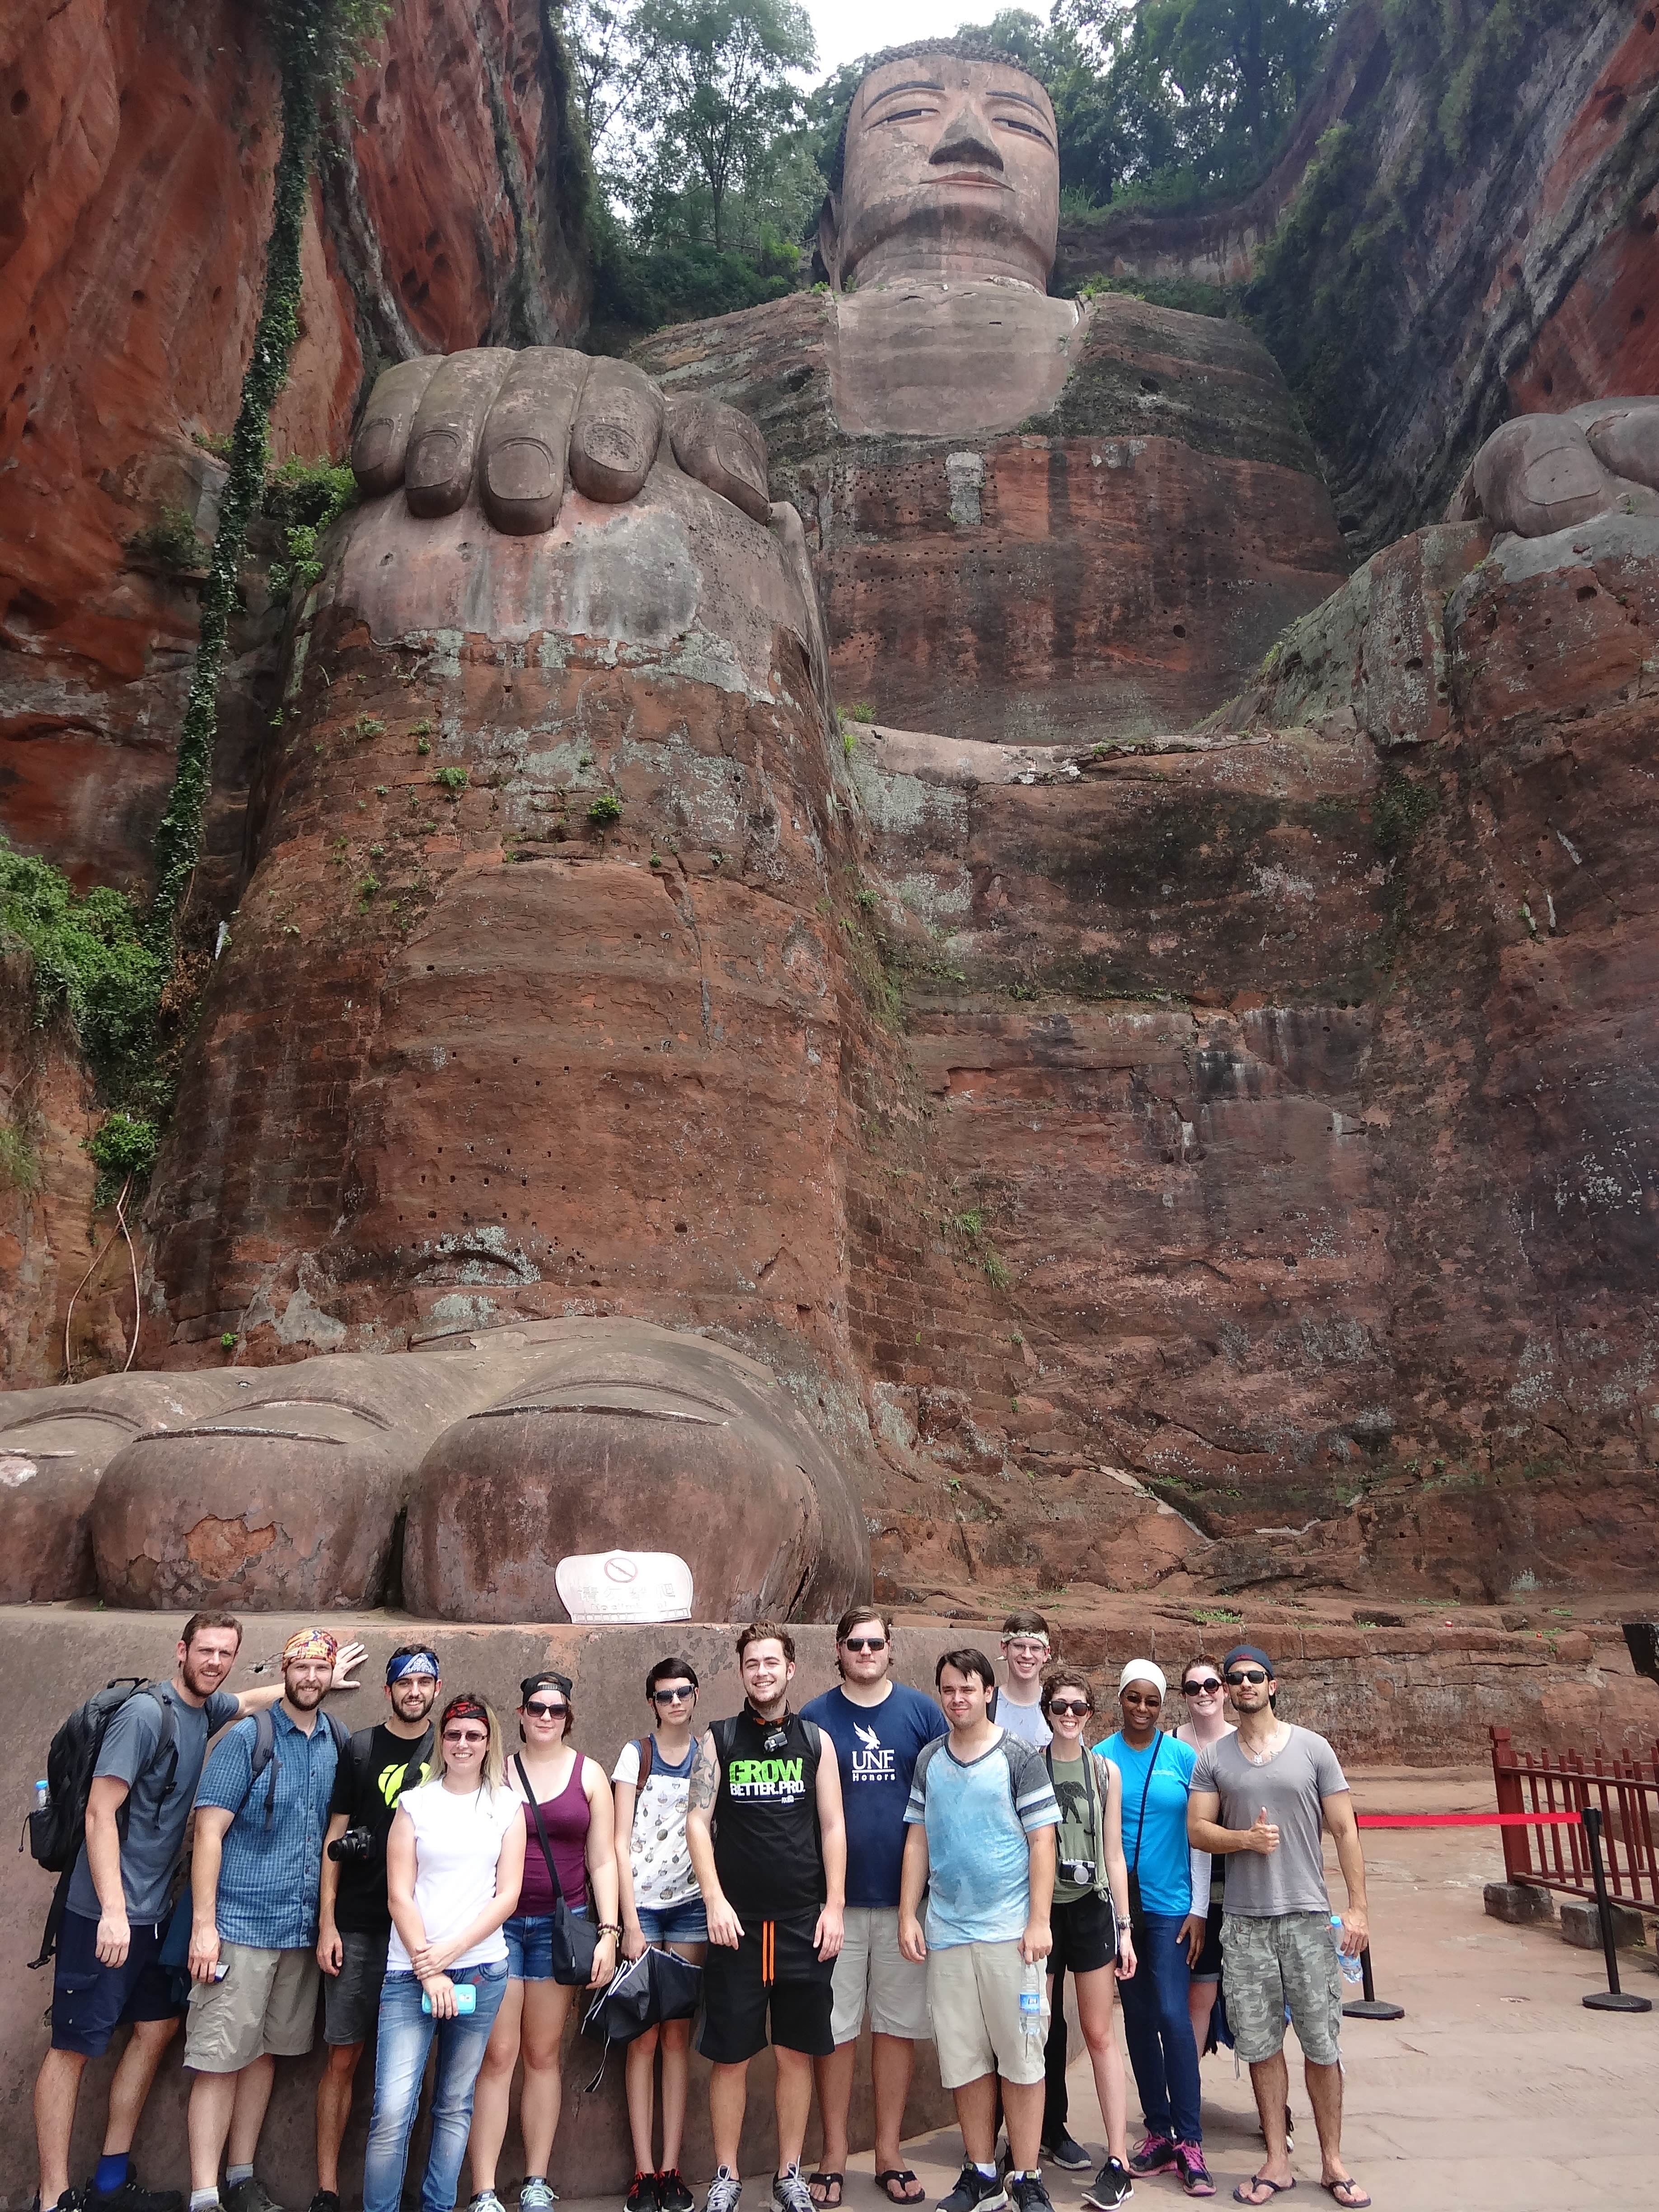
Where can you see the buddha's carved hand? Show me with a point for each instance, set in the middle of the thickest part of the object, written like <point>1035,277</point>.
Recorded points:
<point>525,426</point>
<point>1540,473</point>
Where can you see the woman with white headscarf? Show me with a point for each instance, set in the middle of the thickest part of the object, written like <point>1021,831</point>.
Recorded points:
<point>1167,1881</point>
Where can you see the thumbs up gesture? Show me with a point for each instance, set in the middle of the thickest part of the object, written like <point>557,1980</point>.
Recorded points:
<point>1263,1835</point>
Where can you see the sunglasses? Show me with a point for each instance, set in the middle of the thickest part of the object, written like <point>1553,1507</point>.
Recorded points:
<point>1200,1689</point>
<point>1246,1674</point>
<point>465,1735</point>
<point>1075,1707</point>
<point>539,1711</point>
<point>865,1644</point>
<point>679,1697</point>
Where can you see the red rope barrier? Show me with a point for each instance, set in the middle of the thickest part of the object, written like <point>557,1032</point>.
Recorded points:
<point>1470,1819</point>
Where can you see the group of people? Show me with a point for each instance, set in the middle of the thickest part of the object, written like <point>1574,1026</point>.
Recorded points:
<point>934,1865</point>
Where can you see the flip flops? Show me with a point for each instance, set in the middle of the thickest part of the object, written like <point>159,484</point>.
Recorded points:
<point>906,2180</point>
<point>1260,2181</point>
<point>1355,2201</point>
<point>827,2181</point>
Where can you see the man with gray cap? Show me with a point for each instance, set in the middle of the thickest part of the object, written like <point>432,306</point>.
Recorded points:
<point>1260,1797</point>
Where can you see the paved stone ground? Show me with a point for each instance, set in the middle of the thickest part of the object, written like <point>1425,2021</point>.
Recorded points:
<point>1498,2089</point>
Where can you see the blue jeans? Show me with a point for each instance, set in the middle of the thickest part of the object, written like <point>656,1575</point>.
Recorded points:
<point>530,1944</point>
<point>1159,2034</point>
<point>400,2056</point>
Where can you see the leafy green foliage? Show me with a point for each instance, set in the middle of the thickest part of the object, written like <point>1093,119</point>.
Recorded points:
<point>307,498</point>
<point>90,960</point>
<point>452,779</point>
<point>124,1145</point>
<point>170,542</point>
<point>606,810</point>
<point>20,1169</point>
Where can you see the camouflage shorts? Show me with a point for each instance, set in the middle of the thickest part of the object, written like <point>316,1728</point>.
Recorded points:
<point>1270,1967</point>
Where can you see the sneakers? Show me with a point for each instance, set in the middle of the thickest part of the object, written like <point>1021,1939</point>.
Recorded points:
<point>535,2195</point>
<point>724,2191</point>
<point>672,2195</point>
<point>1112,2187</point>
<point>790,2192</point>
<point>1031,2194</point>
<point>326,2200</point>
<point>642,2195</point>
<point>249,2196</point>
<point>1068,2152</point>
<point>1156,2155</point>
<point>1194,2174</point>
<point>485,2201</point>
<point>975,2192</point>
<point>129,2197</point>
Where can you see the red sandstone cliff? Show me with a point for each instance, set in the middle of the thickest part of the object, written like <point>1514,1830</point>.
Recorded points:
<point>135,195</point>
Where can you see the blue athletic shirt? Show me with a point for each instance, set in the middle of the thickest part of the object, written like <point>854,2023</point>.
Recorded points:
<point>876,1748</point>
<point>1166,1870</point>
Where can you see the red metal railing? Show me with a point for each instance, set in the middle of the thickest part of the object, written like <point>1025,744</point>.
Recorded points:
<point>1625,1789</point>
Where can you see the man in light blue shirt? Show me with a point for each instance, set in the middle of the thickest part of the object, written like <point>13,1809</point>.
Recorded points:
<point>982,1818</point>
<point>255,1878</point>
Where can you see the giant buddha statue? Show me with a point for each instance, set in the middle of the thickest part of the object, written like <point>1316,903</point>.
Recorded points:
<point>527,1099</point>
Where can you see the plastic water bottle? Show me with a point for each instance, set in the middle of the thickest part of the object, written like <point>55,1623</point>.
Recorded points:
<point>1353,1971</point>
<point>1030,2008</point>
<point>42,1796</point>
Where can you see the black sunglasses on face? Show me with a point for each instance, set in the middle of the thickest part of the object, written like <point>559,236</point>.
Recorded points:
<point>672,1697</point>
<point>1072,1705</point>
<point>464,1736</point>
<point>1246,1674</point>
<point>1202,1689</point>
<point>865,1644</point>
<point>541,1712</point>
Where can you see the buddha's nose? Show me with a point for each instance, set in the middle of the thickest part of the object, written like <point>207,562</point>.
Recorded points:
<point>966,141</point>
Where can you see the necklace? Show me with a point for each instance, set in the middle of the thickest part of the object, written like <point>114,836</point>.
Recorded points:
<point>1269,1750</point>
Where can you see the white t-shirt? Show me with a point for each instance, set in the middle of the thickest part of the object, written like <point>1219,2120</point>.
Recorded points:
<point>660,1859</point>
<point>1026,1722</point>
<point>457,1840</point>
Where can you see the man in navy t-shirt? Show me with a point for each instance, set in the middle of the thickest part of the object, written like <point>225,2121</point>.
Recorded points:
<point>879,1728</point>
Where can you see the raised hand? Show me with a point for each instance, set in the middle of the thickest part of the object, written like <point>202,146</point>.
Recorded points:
<point>1263,1834</point>
<point>526,427</point>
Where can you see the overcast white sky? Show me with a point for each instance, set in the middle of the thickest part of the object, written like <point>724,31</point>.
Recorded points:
<point>847,28</point>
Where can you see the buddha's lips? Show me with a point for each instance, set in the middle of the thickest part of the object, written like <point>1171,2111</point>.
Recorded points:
<point>975,178</point>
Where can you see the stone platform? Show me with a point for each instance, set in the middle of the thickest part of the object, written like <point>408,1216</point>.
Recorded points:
<point>1410,1693</point>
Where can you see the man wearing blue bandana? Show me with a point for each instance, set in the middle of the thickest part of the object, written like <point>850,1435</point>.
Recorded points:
<point>354,1921</point>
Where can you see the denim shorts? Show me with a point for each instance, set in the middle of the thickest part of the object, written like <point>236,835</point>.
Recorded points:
<point>684,1923</point>
<point>530,1944</point>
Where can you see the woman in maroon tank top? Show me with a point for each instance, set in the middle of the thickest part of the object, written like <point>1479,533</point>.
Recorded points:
<point>573,1797</point>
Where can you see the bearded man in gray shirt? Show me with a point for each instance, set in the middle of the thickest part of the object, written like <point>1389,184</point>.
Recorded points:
<point>1260,1798</point>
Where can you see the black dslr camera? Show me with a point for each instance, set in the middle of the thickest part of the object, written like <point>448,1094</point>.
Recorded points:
<point>356,1847</point>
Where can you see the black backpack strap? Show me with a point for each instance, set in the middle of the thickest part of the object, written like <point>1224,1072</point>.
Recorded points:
<point>55,1912</point>
<point>540,1833</point>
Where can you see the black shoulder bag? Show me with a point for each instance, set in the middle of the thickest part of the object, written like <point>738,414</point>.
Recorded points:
<point>575,1942</point>
<point>1137,1913</point>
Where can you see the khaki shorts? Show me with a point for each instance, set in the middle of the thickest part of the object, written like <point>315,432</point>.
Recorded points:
<point>973,1994</point>
<point>1269,1966</point>
<point>872,1970</point>
<point>266,2005</point>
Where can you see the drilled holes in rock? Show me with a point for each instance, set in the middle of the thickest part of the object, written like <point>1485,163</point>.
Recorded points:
<point>1651,223</point>
<point>20,101</point>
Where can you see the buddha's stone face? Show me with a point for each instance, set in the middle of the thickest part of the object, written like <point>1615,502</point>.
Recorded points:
<point>952,170</point>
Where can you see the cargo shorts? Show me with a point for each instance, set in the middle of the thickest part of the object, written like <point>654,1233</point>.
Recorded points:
<point>1271,1967</point>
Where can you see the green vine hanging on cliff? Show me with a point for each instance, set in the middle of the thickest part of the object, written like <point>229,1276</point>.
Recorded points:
<point>318,44</point>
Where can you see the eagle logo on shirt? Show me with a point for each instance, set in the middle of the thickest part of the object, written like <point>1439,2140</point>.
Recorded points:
<point>874,1763</point>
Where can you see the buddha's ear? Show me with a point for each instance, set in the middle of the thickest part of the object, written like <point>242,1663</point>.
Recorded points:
<point>827,252</point>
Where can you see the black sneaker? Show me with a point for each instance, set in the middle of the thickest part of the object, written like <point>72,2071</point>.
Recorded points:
<point>642,2196</point>
<point>129,2197</point>
<point>1156,2155</point>
<point>1111,2186</point>
<point>672,2195</point>
<point>975,2192</point>
<point>1031,2194</point>
<point>1068,2152</point>
<point>326,2200</point>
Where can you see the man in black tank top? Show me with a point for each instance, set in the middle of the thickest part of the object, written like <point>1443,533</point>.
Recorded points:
<point>769,1851</point>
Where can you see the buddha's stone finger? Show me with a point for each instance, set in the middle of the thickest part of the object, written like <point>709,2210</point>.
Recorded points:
<point>382,439</point>
<point>723,449</point>
<point>1626,440</point>
<point>526,436</point>
<point>444,438</point>
<point>617,431</point>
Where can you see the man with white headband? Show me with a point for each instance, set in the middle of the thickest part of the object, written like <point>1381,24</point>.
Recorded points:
<point>1167,1881</point>
<point>354,1920</point>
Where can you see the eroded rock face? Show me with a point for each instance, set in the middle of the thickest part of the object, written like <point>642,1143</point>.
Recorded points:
<point>135,193</point>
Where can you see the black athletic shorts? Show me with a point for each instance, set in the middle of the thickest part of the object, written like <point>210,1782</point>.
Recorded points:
<point>1208,1968</point>
<point>775,1965</point>
<point>90,2001</point>
<point>1086,1936</point>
